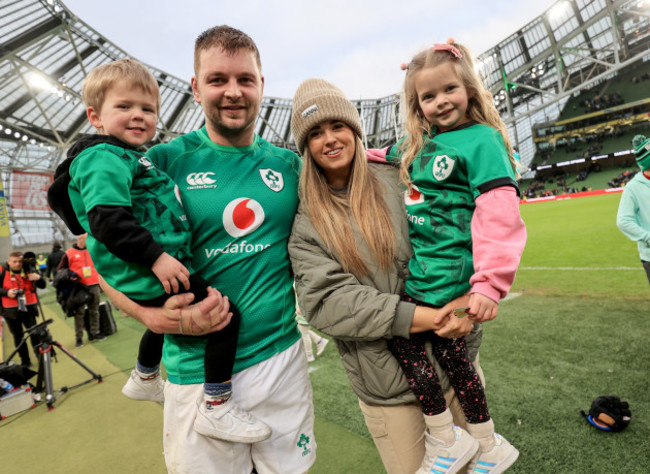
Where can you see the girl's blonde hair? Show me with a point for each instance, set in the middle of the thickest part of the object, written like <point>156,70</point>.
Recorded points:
<point>333,213</point>
<point>480,105</point>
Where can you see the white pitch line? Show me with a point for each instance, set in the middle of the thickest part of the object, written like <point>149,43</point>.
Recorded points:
<point>581,268</point>
<point>510,296</point>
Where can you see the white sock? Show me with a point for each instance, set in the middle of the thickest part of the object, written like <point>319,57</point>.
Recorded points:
<point>441,427</point>
<point>483,433</point>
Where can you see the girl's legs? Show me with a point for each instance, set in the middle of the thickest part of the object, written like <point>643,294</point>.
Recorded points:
<point>420,373</point>
<point>446,445</point>
<point>451,354</point>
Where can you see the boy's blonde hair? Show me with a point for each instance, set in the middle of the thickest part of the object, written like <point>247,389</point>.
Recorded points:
<point>480,105</point>
<point>100,79</point>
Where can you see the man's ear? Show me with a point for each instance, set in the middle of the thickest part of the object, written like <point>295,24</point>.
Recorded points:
<point>195,90</point>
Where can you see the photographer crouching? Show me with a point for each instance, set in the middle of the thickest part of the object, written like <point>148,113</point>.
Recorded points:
<point>19,299</point>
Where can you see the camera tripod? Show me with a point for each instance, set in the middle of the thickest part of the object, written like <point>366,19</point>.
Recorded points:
<point>45,353</point>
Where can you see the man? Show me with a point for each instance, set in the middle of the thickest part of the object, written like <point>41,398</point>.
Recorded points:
<point>633,217</point>
<point>41,264</point>
<point>77,259</point>
<point>19,301</point>
<point>240,196</point>
<point>53,260</point>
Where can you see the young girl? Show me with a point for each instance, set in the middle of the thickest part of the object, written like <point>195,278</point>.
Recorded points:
<point>467,235</point>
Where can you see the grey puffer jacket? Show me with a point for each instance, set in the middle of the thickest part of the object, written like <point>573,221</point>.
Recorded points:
<point>360,314</point>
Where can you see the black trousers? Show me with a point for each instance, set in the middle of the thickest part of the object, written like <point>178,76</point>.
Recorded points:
<point>18,321</point>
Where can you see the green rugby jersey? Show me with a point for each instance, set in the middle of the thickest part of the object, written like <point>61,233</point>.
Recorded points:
<point>451,171</point>
<point>109,175</point>
<point>240,203</point>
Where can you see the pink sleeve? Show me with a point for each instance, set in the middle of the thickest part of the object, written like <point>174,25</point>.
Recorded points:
<point>377,155</point>
<point>498,240</point>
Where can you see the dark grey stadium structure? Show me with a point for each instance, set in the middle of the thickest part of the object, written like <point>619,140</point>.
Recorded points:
<point>46,52</point>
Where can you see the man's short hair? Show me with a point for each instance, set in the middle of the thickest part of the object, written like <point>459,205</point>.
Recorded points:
<point>16,254</point>
<point>227,38</point>
<point>100,79</point>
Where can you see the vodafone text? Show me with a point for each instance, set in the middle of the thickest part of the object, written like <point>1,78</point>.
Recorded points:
<point>415,219</point>
<point>242,247</point>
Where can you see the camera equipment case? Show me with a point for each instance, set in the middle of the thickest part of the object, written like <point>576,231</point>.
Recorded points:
<point>16,401</point>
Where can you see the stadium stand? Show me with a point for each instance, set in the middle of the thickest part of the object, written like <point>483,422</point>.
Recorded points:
<point>539,75</point>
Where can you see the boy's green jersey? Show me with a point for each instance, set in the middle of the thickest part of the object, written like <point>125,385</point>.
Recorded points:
<point>240,203</point>
<point>110,175</point>
<point>451,171</point>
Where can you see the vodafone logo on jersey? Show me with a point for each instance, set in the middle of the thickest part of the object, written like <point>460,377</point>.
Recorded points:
<point>413,196</point>
<point>242,216</point>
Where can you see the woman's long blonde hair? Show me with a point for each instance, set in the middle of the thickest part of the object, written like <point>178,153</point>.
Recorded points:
<point>480,106</point>
<point>333,213</point>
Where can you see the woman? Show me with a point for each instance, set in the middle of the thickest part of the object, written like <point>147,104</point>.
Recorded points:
<point>350,252</point>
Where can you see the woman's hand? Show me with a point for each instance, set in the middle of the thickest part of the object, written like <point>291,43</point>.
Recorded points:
<point>456,327</point>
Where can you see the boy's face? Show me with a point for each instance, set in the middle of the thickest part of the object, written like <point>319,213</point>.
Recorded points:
<point>128,113</point>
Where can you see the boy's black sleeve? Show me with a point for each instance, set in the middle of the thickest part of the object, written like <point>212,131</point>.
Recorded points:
<point>117,228</point>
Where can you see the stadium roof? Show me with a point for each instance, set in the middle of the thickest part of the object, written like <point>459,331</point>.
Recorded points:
<point>46,52</point>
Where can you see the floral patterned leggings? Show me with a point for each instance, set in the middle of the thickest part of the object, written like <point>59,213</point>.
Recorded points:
<point>451,354</point>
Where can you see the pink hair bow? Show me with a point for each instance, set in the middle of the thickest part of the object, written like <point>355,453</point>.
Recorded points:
<point>448,47</point>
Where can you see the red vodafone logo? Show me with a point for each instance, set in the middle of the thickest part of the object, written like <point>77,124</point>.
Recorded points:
<point>414,196</point>
<point>242,216</point>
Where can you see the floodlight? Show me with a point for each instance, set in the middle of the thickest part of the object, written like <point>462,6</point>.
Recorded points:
<point>17,134</point>
<point>557,11</point>
<point>37,80</point>
<point>8,131</point>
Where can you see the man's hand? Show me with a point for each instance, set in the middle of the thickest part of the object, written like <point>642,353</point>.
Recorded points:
<point>11,293</point>
<point>482,308</point>
<point>179,317</point>
<point>170,271</point>
<point>33,276</point>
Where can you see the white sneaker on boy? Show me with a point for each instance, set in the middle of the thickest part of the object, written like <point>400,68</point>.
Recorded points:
<point>229,422</point>
<point>497,460</point>
<point>144,390</point>
<point>448,459</point>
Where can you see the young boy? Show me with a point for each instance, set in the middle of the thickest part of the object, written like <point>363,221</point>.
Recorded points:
<point>139,235</point>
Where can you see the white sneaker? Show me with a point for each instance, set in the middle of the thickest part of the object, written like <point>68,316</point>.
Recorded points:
<point>230,423</point>
<point>144,390</point>
<point>447,459</point>
<point>311,358</point>
<point>498,459</point>
<point>320,346</point>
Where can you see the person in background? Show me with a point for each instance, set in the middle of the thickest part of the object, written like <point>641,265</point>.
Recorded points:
<point>77,259</point>
<point>20,301</point>
<point>53,260</point>
<point>41,264</point>
<point>633,217</point>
